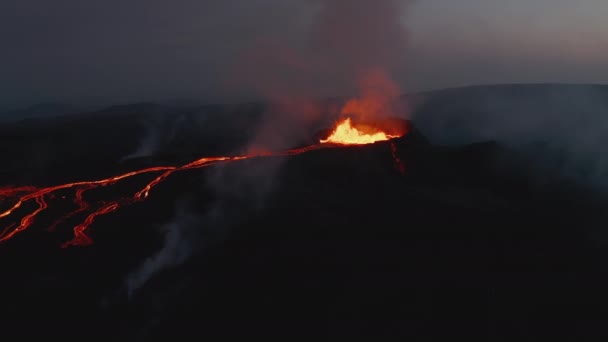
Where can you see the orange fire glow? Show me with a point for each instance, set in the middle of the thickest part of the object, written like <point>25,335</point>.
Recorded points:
<point>346,134</point>
<point>40,199</point>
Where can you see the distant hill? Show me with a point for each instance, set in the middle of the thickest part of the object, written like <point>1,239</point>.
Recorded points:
<point>509,112</point>
<point>41,110</point>
<point>561,128</point>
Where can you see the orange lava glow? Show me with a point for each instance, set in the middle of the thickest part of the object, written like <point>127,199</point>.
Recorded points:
<point>39,196</point>
<point>345,134</point>
<point>29,201</point>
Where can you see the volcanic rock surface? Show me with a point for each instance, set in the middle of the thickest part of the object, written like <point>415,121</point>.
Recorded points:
<point>336,243</point>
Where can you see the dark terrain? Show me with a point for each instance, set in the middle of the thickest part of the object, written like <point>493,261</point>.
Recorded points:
<point>473,241</point>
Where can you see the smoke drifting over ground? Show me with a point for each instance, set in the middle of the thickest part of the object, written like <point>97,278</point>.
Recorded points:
<point>563,129</point>
<point>181,240</point>
<point>158,132</point>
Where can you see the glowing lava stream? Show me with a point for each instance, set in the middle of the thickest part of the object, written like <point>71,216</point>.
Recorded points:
<point>343,134</point>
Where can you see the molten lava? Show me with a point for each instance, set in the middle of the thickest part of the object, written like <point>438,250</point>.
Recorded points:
<point>35,200</point>
<point>346,134</point>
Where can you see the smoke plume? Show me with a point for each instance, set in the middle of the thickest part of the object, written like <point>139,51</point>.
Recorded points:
<point>350,46</point>
<point>158,132</point>
<point>181,240</point>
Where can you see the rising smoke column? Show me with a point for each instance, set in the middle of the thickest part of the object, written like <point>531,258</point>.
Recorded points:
<point>356,40</point>
<point>364,43</point>
<point>158,132</point>
<point>339,47</point>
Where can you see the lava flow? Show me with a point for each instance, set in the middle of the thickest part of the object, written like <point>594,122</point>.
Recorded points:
<point>343,134</point>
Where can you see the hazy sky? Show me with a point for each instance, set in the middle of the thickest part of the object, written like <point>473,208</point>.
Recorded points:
<point>492,41</point>
<point>145,50</point>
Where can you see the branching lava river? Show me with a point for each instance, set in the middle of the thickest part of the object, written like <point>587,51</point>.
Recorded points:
<point>342,135</point>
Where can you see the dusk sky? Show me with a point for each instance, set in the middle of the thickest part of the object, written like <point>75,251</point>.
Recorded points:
<point>119,51</point>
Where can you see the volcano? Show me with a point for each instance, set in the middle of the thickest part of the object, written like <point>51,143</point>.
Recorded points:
<point>345,133</point>
<point>391,240</point>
